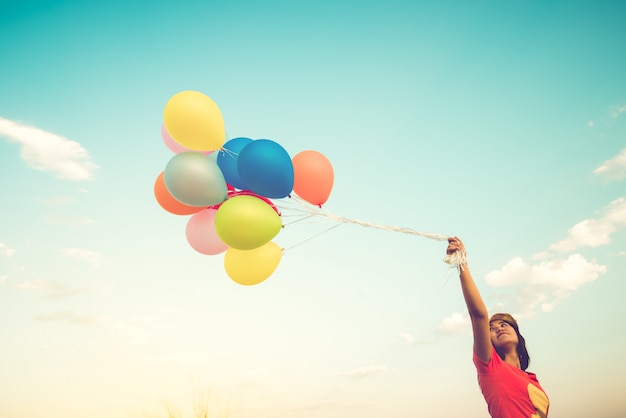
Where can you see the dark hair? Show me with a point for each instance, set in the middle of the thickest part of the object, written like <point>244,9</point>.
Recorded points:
<point>522,352</point>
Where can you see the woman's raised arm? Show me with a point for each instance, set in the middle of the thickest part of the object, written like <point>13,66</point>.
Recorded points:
<point>475,305</point>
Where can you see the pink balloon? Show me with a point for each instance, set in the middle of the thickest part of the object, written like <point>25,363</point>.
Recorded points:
<point>174,146</point>
<point>201,233</point>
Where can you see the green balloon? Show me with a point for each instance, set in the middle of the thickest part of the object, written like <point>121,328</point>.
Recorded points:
<point>246,222</point>
<point>195,179</point>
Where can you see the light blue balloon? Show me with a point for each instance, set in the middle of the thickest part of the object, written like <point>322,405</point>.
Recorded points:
<point>227,158</point>
<point>266,169</point>
<point>195,179</point>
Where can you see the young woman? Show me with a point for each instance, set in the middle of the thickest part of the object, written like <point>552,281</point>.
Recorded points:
<point>500,355</point>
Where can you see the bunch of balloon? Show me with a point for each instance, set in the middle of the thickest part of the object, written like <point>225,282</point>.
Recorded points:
<point>241,222</point>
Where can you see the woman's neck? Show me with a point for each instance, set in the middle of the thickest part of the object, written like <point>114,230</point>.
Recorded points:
<point>512,358</point>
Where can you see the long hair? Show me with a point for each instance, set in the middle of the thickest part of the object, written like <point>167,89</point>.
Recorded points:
<point>522,352</point>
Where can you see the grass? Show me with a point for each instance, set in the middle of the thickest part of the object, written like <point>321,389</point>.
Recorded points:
<point>205,405</point>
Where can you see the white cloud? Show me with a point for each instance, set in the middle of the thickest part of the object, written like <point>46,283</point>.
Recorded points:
<point>48,289</point>
<point>455,324</point>
<point>545,284</point>
<point>541,255</point>
<point>514,272</point>
<point>614,168</point>
<point>408,338</point>
<point>6,250</point>
<point>568,274</point>
<point>46,151</point>
<point>73,318</point>
<point>363,372</point>
<point>616,111</point>
<point>58,201</point>
<point>595,232</point>
<point>84,255</point>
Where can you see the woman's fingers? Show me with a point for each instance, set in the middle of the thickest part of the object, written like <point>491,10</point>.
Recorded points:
<point>454,244</point>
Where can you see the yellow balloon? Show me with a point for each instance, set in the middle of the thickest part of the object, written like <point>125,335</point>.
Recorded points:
<point>194,121</point>
<point>246,222</point>
<point>250,267</point>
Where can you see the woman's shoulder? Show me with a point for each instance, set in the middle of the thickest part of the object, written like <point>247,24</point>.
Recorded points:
<point>483,365</point>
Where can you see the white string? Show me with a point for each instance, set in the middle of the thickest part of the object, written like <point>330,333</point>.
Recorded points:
<point>455,260</point>
<point>300,243</point>
<point>337,218</point>
<point>228,152</point>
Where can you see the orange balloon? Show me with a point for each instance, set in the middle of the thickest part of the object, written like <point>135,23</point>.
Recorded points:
<point>167,201</point>
<point>313,177</point>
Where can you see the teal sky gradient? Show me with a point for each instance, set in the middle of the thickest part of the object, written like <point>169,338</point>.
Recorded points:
<point>500,122</point>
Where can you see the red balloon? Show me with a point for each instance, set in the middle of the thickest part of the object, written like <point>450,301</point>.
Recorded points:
<point>313,177</point>
<point>232,193</point>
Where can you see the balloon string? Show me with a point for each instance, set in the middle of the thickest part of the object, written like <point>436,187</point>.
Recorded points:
<point>337,218</point>
<point>309,239</point>
<point>455,260</point>
<point>228,152</point>
<point>298,220</point>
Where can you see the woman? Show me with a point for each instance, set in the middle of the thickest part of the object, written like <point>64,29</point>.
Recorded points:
<point>500,355</point>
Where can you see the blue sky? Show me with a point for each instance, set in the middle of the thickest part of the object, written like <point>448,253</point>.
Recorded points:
<point>501,122</point>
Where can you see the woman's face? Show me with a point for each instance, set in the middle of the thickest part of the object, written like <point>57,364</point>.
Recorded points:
<point>502,333</point>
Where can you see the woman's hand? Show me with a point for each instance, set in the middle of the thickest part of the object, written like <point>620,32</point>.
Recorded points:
<point>454,245</point>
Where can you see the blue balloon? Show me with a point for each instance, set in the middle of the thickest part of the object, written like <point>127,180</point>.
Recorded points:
<point>266,168</point>
<point>227,158</point>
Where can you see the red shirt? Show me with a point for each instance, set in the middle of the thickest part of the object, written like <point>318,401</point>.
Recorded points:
<point>510,392</point>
